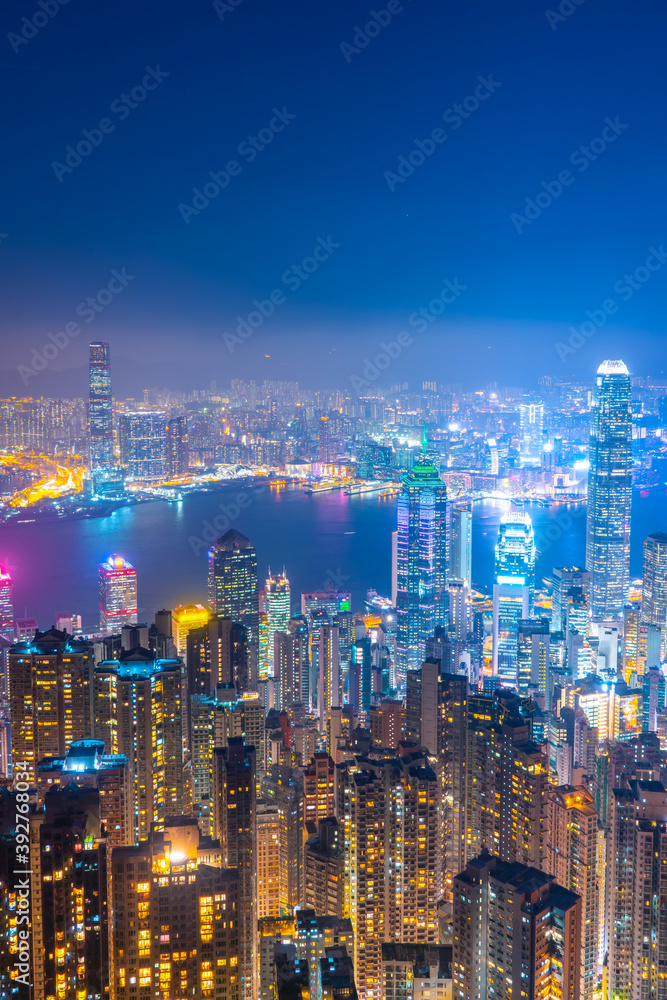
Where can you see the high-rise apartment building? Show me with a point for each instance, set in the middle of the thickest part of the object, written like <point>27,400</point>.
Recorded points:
<point>143,443</point>
<point>282,788</point>
<point>388,812</point>
<point>278,611</point>
<point>533,649</point>
<point>319,788</point>
<point>287,668</point>
<point>324,869</point>
<point>174,918</point>
<point>118,594</point>
<point>100,408</point>
<point>571,856</point>
<point>512,591</point>
<point>516,933</point>
<point>177,446</point>
<point>235,825</point>
<point>423,517</point>
<point>6,605</point>
<point>137,706</point>
<point>654,582</point>
<point>70,948</point>
<point>49,696</point>
<point>329,687</point>
<point>268,860</point>
<point>232,581</point>
<point>609,490</point>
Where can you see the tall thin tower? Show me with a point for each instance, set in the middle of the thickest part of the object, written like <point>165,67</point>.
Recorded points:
<point>610,491</point>
<point>100,407</point>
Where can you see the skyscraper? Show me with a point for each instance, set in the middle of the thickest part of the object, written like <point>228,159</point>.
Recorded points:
<point>609,490</point>
<point>421,561</point>
<point>143,441</point>
<point>6,605</point>
<point>118,594</point>
<point>177,446</point>
<point>278,613</point>
<point>512,591</point>
<point>100,408</point>
<point>654,584</point>
<point>531,418</point>
<point>232,581</point>
<point>460,561</point>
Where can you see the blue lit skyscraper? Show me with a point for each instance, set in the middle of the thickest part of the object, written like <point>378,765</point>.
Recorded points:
<point>100,407</point>
<point>512,591</point>
<point>421,563</point>
<point>610,491</point>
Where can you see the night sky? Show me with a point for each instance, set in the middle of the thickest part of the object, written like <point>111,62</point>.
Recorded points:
<point>333,110</point>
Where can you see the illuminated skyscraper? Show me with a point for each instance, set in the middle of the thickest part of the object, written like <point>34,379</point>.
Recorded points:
<point>185,618</point>
<point>421,562</point>
<point>49,692</point>
<point>173,918</point>
<point>531,417</point>
<point>512,591</point>
<point>137,710</point>
<point>460,562</point>
<point>654,592</point>
<point>6,605</point>
<point>177,446</point>
<point>232,581</point>
<point>609,491</point>
<point>100,407</point>
<point>278,613</point>
<point>143,445</point>
<point>118,594</point>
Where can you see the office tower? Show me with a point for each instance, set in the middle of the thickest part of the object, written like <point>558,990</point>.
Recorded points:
<point>531,432</point>
<point>319,788</point>
<point>638,896</point>
<point>137,706</point>
<point>173,917</point>
<point>516,933</point>
<point>422,562</point>
<point>507,782</point>
<point>359,677</point>
<point>298,627</point>
<point>654,583</point>
<point>185,618</point>
<point>177,446</point>
<point>330,600</point>
<point>268,860</point>
<point>460,559</point>
<point>387,723</point>
<point>69,896</point>
<point>533,646</point>
<point>118,594</point>
<point>512,591</point>
<point>277,597</point>
<point>571,857</point>
<point>232,581</point>
<point>49,696</point>
<point>565,578</point>
<point>459,608</point>
<point>235,825</point>
<point>6,605</point>
<point>609,491</point>
<point>323,869</point>
<point>388,812</point>
<point>282,787</point>
<point>100,408</point>
<point>87,766</point>
<point>143,442</point>
<point>337,975</point>
<point>419,971</point>
<point>329,689</point>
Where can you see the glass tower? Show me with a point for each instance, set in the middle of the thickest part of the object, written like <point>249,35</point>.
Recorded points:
<point>512,591</point>
<point>654,583</point>
<point>278,611</point>
<point>610,491</point>
<point>421,562</point>
<point>232,581</point>
<point>118,594</point>
<point>100,407</point>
